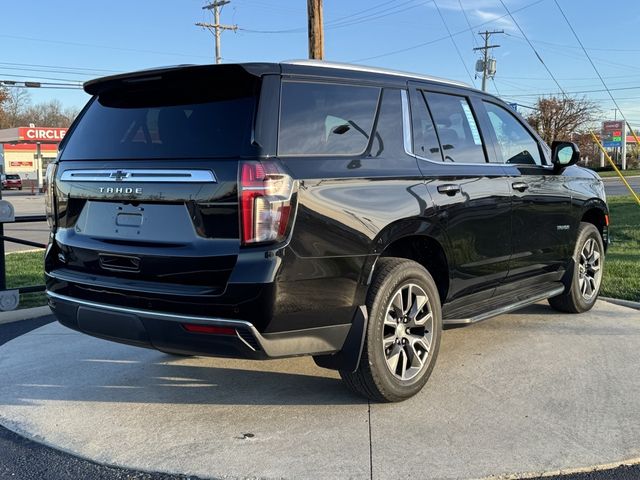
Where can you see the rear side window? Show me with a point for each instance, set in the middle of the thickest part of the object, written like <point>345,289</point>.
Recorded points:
<point>165,122</point>
<point>425,140</point>
<point>388,137</point>
<point>326,119</point>
<point>457,128</point>
<point>516,144</point>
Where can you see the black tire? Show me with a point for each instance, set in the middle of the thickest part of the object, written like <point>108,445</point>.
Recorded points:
<point>374,378</point>
<point>574,300</point>
<point>19,188</point>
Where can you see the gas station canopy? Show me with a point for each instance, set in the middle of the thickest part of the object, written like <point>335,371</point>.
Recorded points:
<point>32,135</point>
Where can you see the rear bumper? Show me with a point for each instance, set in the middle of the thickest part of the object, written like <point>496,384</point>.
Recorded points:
<point>165,331</point>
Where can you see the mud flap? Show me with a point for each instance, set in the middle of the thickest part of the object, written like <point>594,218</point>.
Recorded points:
<point>348,358</point>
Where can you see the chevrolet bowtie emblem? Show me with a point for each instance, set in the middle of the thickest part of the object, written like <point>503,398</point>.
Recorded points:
<point>119,175</point>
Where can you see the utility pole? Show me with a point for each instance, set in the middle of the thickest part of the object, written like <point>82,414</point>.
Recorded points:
<point>488,64</point>
<point>216,27</point>
<point>316,31</point>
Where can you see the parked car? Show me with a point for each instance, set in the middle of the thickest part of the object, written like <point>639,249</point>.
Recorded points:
<point>267,210</point>
<point>10,181</point>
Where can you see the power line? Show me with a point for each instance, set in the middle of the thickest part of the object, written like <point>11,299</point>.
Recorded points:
<point>26,84</point>
<point>454,43</point>
<point>533,48</point>
<point>378,15</point>
<point>554,49</point>
<point>493,80</point>
<point>575,92</point>
<point>436,40</point>
<point>42,70</point>
<point>108,47</point>
<point>464,12</point>
<point>79,82</point>
<point>345,22</point>
<point>591,61</point>
<point>59,66</point>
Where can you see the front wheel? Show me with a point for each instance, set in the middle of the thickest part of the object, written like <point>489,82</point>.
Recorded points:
<point>586,273</point>
<point>403,332</point>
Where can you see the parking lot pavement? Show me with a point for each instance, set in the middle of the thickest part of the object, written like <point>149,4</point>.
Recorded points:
<point>535,391</point>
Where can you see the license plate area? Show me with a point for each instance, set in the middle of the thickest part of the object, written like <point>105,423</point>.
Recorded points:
<point>119,263</point>
<point>153,223</point>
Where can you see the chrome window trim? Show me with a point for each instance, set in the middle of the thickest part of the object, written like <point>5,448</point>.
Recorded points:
<point>139,175</point>
<point>407,137</point>
<point>407,132</point>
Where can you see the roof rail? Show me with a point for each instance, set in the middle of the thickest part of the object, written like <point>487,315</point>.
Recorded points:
<point>384,71</point>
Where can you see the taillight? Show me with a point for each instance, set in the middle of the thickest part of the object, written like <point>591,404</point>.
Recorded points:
<point>49,205</point>
<point>265,202</point>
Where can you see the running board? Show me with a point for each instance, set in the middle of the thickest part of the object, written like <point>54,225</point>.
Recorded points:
<point>505,309</point>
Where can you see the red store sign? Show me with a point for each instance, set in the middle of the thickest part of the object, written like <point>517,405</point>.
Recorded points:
<point>40,134</point>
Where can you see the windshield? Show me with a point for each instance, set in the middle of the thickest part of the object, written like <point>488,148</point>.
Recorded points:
<point>165,121</point>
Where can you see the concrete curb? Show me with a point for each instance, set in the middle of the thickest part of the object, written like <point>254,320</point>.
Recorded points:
<point>622,303</point>
<point>24,314</point>
<point>565,472</point>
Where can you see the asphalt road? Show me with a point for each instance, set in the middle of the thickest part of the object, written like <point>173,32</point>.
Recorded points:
<point>22,459</point>
<point>614,186</point>
<point>25,203</point>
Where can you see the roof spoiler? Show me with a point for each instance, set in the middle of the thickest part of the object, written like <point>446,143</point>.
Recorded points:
<point>102,84</point>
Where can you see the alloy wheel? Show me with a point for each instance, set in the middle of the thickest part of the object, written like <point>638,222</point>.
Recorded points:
<point>589,269</point>
<point>407,332</point>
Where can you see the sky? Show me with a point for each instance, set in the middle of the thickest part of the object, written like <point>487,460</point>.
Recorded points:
<point>71,41</point>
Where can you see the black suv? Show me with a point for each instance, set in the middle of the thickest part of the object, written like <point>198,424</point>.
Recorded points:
<point>267,210</point>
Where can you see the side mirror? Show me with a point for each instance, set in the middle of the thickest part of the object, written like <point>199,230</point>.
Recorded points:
<point>564,154</point>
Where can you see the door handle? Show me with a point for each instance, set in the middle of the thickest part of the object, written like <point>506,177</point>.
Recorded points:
<point>520,186</point>
<point>449,189</point>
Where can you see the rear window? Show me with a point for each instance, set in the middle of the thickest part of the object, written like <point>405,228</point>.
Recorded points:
<point>326,119</point>
<point>166,121</point>
<point>13,177</point>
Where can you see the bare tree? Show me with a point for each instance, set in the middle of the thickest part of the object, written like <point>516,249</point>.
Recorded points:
<point>17,101</point>
<point>562,118</point>
<point>17,110</point>
<point>3,98</point>
<point>3,95</point>
<point>49,114</point>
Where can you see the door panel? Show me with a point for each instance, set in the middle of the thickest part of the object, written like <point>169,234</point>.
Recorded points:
<point>541,222</point>
<point>477,220</point>
<point>472,198</point>
<point>541,203</point>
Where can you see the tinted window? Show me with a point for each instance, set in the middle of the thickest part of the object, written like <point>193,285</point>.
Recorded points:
<point>323,119</point>
<point>388,137</point>
<point>516,144</point>
<point>158,123</point>
<point>457,128</point>
<point>425,141</point>
<point>13,177</point>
